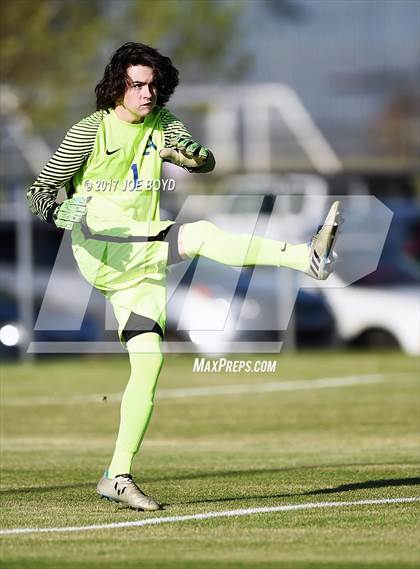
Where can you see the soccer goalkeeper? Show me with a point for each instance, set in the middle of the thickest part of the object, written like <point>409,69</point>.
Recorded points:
<point>119,242</point>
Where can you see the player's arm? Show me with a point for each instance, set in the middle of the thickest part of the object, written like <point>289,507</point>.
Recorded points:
<point>182,149</point>
<point>74,150</point>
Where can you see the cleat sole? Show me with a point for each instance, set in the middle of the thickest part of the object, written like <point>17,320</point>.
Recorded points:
<point>325,265</point>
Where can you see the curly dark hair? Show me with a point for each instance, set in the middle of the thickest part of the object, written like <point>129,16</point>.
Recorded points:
<point>112,86</point>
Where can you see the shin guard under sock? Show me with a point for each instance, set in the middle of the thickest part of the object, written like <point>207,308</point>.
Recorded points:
<point>206,239</point>
<point>137,402</point>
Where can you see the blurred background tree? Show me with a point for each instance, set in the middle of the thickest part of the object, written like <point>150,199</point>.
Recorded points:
<point>204,38</point>
<point>45,48</point>
<point>53,51</point>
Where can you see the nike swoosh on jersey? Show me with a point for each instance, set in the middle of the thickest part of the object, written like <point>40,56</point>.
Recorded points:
<point>112,151</point>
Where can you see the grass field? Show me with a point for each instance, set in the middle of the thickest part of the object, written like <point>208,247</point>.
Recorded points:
<point>215,452</point>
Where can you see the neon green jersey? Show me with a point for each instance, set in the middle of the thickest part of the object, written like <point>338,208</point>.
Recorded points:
<point>117,164</point>
<point>88,148</point>
<point>123,171</point>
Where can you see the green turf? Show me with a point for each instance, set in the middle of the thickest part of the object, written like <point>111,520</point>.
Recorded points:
<point>219,452</point>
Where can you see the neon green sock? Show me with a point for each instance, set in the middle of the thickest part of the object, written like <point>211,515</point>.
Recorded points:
<point>205,239</point>
<point>137,402</point>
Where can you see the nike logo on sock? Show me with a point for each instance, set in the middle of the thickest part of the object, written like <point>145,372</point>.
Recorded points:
<point>112,151</point>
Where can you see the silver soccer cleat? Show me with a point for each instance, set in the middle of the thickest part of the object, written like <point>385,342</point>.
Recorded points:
<point>321,248</point>
<point>123,489</point>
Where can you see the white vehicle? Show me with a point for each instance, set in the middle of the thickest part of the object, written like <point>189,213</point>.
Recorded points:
<point>377,316</point>
<point>383,308</point>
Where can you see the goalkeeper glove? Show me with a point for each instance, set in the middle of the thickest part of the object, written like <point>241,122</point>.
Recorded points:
<point>187,152</point>
<point>71,211</point>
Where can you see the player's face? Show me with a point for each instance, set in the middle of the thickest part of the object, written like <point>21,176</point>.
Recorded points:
<point>140,96</point>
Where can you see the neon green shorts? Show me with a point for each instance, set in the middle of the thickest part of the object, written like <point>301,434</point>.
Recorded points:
<point>128,265</point>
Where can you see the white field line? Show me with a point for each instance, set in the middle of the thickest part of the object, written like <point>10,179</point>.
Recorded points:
<point>208,515</point>
<point>233,389</point>
<point>271,386</point>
